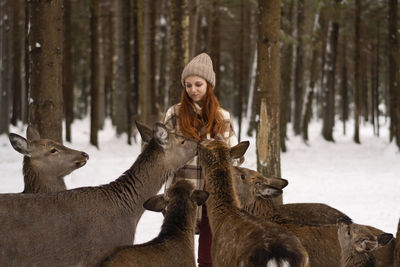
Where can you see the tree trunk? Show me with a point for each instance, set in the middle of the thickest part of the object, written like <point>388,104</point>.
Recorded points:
<point>394,79</point>
<point>329,84</point>
<point>162,85</point>
<point>94,78</point>
<point>241,69</point>
<point>179,49</point>
<point>215,44</point>
<point>299,70</point>
<point>5,35</point>
<point>16,85</point>
<point>345,94</point>
<point>46,59</point>
<point>194,8</point>
<point>268,142</point>
<point>286,76</point>
<point>143,93</point>
<point>357,71</point>
<point>68,72</point>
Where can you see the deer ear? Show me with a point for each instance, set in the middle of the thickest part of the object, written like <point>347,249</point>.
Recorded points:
<point>267,191</point>
<point>384,239</point>
<point>199,196</point>
<point>32,134</point>
<point>145,132</point>
<point>156,203</point>
<point>239,150</point>
<point>160,133</point>
<point>19,144</point>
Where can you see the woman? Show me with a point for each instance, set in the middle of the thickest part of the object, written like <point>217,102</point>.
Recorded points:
<point>198,116</point>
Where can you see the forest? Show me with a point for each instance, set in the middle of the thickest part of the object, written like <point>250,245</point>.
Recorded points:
<point>279,64</point>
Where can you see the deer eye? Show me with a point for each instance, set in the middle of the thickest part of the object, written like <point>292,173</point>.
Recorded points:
<point>183,141</point>
<point>53,150</point>
<point>242,176</point>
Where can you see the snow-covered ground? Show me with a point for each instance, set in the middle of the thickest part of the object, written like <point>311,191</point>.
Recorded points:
<point>361,180</point>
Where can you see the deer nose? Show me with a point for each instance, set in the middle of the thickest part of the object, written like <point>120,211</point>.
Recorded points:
<point>85,155</point>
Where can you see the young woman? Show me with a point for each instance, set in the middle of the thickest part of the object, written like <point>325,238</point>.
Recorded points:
<point>198,115</point>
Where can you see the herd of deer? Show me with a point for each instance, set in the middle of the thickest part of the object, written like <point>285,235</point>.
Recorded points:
<point>48,225</point>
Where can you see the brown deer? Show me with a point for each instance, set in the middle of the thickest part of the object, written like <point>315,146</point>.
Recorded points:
<point>396,256</point>
<point>321,242</point>
<point>238,238</point>
<point>305,213</point>
<point>80,227</point>
<point>357,243</point>
<point>46,162</point>
<point>174,246</point>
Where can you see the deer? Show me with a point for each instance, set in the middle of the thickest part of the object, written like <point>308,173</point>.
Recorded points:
<point>174,246</point>
<point>320,241</point>
<point>80,227</point>
<point>357,242</point>
<point>46,162</point>
<point>239,238</point>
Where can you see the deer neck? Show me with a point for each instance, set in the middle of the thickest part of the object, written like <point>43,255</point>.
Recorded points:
<point>219,185</point>
<point>36,181</point>
<point>264,208</point>
<point>356,259</point>
<point>142,180</point>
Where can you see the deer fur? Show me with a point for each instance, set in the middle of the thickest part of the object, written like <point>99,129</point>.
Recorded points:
<point>238,238</point>
<point>82,226</point>
<point>304,213</point>
<point>46,162</point>
<point>174,246</point>
<point>321,242</point>
<point>357,243</point>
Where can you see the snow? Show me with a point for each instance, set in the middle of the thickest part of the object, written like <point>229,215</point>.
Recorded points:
<point>360,180</point>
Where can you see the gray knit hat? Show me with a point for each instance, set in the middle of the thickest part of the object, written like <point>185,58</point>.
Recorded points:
<point>200,65</point>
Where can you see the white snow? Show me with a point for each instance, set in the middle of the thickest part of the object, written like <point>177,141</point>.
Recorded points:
<point>361,180</point>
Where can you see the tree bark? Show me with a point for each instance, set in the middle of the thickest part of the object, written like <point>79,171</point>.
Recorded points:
<point>344,91</point>
<point>68,72</point>
<point>286,76</point>
<point>179,49</point>
<point>16,85</point>
<point>394,79</point>
<point>94,78</point>
<point>215,44</point>
<point>46,59</point>
<point>357,71</point>
<point>329,84</point>
<point>299,70</point>
<point>268,142</point>
<point>6,64</point>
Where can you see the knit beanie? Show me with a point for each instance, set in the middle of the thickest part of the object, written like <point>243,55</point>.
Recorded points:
<point>200,65</point>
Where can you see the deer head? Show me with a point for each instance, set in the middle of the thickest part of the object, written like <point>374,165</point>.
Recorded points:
<point>47,157</point>
<point>359,238</point>
<point>177,149</point>
<point>250,184</point>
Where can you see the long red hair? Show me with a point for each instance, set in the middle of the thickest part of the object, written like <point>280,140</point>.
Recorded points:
<point>192,126</point>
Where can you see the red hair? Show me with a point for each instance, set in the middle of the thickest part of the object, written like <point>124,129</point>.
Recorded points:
<point>192,126</point>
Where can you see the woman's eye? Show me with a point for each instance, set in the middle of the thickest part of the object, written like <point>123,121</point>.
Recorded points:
<point>53,150</point>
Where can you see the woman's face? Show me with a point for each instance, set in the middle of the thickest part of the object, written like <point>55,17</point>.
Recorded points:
<point>196,87</point>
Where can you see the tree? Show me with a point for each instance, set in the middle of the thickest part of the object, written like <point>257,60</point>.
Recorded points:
<point>68,87</point>
<point>94,77</point>
<point>268,142</point>
<point>45,60</point>
<point>394,79</point>
<point>179,48</point>
<point>214,43</point>
<point>299,69</point>
<point>329,82</point>
<point>357,71</point>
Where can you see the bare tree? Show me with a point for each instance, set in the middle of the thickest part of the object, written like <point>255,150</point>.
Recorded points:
<point>268,138</point>
<point>394,79</point>
<point>68,72</point>
<point>94,78</point>
<point>45,60</point>
<point>357,71</point>
<point>179,49</point>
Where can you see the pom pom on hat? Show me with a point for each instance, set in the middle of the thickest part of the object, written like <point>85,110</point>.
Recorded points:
<point>200,65</point>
